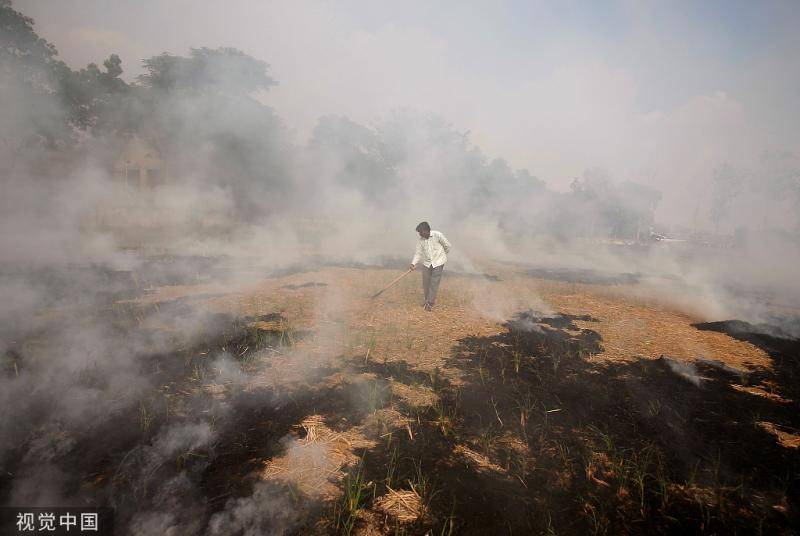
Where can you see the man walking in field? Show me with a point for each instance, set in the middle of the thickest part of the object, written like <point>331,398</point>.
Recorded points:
<point>432,249</point>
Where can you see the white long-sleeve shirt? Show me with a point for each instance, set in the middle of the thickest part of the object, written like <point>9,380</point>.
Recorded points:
<point>432,251</point>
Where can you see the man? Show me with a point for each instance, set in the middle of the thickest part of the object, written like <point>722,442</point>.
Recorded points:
<point>432,249</point>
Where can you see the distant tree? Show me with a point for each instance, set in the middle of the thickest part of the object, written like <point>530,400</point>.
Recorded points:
<point>23,54</point>
<point>779,179</point>
<point>430,155</point>
<point>200,112</point>
<point>584,209</point>
<point>225,70</point>
<point>93,97</point>
<point>51,102</point>
<point>29,78</point>
<point>726,185</point>
<point>638,203</point>
<point>596,205</point>
<point>411,152</point>
<point>527,183</point>
<point>357,156</point>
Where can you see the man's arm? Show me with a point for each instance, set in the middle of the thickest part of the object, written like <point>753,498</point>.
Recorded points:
<point>417,255</point>
<point>445,244</point>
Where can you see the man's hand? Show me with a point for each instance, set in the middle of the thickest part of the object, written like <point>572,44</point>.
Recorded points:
<point>412,267</point>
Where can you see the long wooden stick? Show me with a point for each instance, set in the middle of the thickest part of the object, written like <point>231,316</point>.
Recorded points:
<point>387,287</point>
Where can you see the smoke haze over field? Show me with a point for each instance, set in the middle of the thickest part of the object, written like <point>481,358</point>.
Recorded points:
<point>214,145</point>
<point>369,119</point>
<point>655,94</point>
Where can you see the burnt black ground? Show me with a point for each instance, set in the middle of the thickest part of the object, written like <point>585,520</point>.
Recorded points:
<point>679,457</point>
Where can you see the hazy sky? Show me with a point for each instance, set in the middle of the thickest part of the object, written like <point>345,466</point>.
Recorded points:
<point>659,92</point>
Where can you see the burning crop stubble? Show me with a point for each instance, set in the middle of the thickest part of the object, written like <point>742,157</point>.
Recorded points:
<point>161,341</point>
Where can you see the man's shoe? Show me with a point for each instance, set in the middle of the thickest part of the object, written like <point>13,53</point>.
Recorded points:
<point>427,306</point>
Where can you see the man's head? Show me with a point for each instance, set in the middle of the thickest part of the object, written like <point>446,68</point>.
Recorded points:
<point>424,229</point>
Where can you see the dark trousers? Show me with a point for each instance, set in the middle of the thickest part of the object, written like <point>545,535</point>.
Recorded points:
<point>430,282</point>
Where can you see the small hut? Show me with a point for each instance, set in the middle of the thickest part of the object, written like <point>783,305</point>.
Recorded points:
<point>139,166</point>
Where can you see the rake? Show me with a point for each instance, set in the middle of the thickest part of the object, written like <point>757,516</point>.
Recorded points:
<point>387,287</point>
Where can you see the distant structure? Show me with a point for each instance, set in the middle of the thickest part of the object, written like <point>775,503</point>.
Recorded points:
<point>141,211</point>
<point>139,166</point>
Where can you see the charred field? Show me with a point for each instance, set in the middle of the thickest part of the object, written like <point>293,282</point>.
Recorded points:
<point>297,405</point>
<point>211,321</point>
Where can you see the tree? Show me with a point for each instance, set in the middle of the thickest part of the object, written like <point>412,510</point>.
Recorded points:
<point>726,185</point>
<point>29,74</point>
<point>199,111</point>
<point>597,205</point>
<point>51,102</point>
<point>93,97</point>
<point>23,54</point>
<point>779,174</point>
<point>638,203</point>
<point>224,70</point>
<point>357,156</point>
